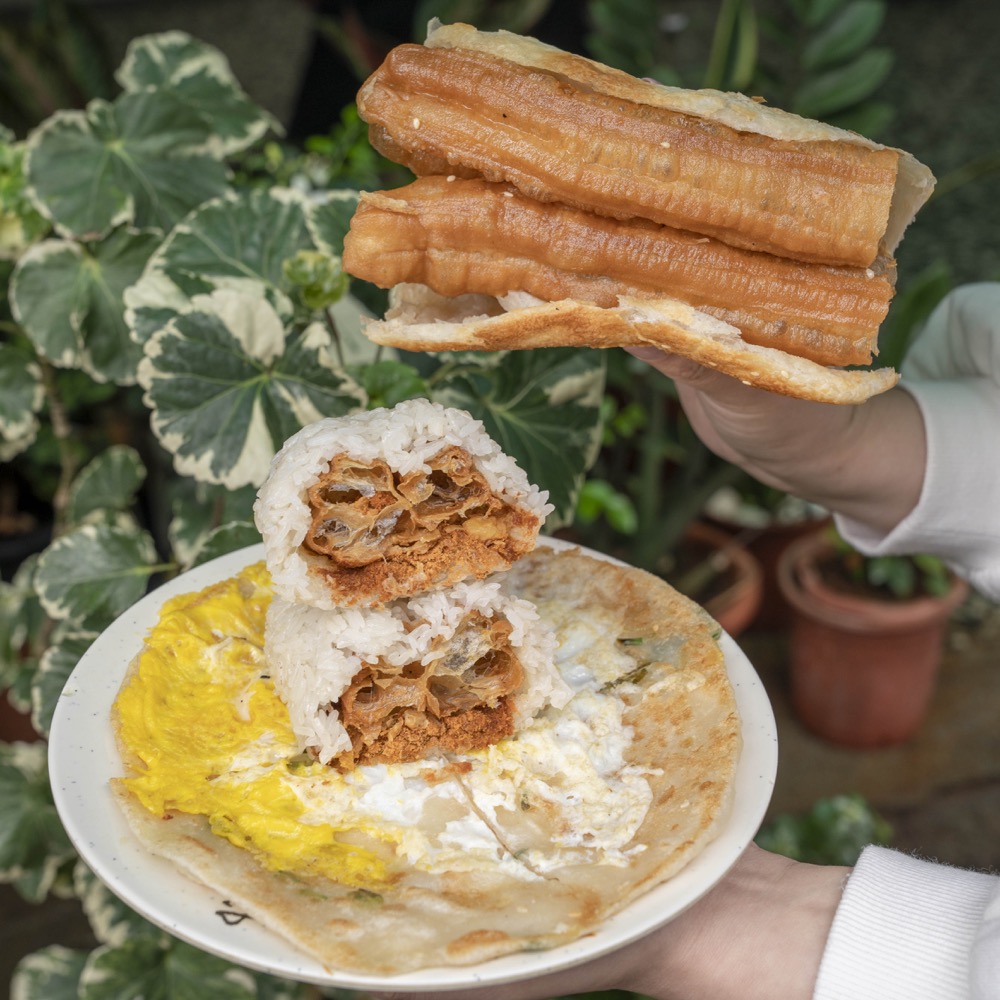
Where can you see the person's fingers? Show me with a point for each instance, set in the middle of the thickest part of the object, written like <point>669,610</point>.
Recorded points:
<point>673,365</point>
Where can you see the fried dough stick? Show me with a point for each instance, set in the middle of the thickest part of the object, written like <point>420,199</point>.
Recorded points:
<point>378,530</point>
<point>459,236</point>
<point>557,137</point>
<point>454,703</point>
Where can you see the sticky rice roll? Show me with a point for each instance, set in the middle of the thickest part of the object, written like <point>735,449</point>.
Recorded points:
<point>392,502</point>
<point>454,670</point>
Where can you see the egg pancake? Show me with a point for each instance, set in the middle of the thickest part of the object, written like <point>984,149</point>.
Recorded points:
<point>460,857</point>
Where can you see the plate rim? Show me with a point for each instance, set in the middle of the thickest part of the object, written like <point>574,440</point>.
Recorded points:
<point>80,769</point>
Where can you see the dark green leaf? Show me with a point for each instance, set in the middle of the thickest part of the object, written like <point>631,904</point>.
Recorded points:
<point>543,408</point>
<point>33,844</point>
<point>108,482</point>
<point>390,382</point>
<point>330,218</point>
<point>53,973</point>
<point>21,398</point>
<point>57,663</point>
<point>201,508</point>
<point>94,573</point>
<point>111,920</point>
<point>844,36</point>
<point>844,86</point>
<point>227,538</point>
<point>173,971</point>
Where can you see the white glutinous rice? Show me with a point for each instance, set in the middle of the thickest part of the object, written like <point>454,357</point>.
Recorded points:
<point>313,654</point>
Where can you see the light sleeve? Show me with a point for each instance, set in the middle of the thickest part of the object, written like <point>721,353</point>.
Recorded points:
<point>953,373</point>
<point>913,930</point>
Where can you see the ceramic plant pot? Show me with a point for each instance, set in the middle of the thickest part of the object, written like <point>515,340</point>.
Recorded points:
<point>862,671</point>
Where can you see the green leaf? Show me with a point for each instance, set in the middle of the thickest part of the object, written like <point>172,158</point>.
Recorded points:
<point>845,35</point>
<point>57,663</point>
<point>33,844</point>
<point>111,920</point>
<point>53,973</point>
<point>95,572</point>
<point>844,86</point>
<point>330,218</point>
<point>68,298</point>
<point>175,971</point>
<point>200,77</point>
<point>21,397</point>
<point>870,118</point>
<point>20,223</point>
<point>599,498</point>
<point>109,482</point>
<point>201,508</point>
<point>226,390</point>
<point>226,538</point>
<point>813,13</point>
<point>390,382</point>
<point>22,621</point>
<point>542,407</point>
<point>132,153</point>
<point>232,241</point>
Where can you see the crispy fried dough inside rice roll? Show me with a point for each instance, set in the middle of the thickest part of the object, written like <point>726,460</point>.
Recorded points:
<point>468,236</point>
<point>452,671</point>
<point>361,510</point>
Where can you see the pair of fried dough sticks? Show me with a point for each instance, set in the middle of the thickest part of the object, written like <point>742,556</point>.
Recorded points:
<point>560,202</point>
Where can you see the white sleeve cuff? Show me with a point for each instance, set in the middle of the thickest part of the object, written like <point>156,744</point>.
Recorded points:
<point>904,930</point>
<point>958,514</point>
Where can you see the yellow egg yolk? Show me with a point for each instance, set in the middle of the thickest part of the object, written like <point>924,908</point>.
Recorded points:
<point>209,736</point>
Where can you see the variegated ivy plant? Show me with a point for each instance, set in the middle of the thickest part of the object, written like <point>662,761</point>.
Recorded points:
<point>202,321</point>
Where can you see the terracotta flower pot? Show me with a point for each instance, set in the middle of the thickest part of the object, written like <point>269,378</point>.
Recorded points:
<point>736,595</point>
<point>862,671</point>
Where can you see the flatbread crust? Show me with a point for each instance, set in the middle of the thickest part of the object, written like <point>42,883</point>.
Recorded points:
<point>686,736</point>
<point>421,320</point>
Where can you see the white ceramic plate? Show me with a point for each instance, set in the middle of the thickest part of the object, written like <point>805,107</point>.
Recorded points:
<point>83,758</point>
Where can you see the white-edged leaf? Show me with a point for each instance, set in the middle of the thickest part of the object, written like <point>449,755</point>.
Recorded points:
<point>21,397</point>
<point>95,572</point>
<point>22,620</point>
<point>543,408</point>
<point>111,920</point>
<point>52,973</point>
<point>33,844</point>
<point>20,223</point>
<point>200,75</point>
<point>229,242</point>
<point>226,538</point>
<point>199,509</point>
<point>57,663</point>
<point>225,389</point>
<point>108,482</point>
<point>175,971</point>
<point>68,298</point>
<point>330,218</point>
<point>132,154</point>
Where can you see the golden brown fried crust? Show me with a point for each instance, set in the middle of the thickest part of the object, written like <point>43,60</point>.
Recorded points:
<point>457,236</point>
<point>556,138</point>
<point>386,536</point>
